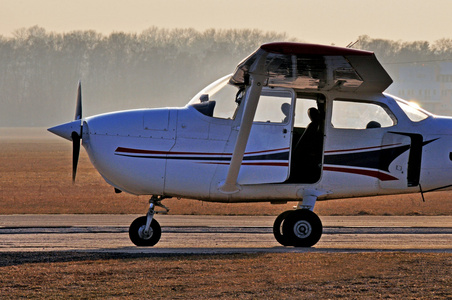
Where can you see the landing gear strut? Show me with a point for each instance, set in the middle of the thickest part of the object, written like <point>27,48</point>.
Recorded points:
<point>300,227</point>
<point>146,231</point>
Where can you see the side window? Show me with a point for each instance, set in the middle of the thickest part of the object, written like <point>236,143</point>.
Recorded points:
<point>274,106</point>
<point>302,119</point>
<point>360,115</point>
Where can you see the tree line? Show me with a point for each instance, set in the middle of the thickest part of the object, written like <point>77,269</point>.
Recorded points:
<point>39,70</point>
<point>401,52</point>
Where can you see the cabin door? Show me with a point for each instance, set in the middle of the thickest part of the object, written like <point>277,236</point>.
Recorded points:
<point>267,153</point>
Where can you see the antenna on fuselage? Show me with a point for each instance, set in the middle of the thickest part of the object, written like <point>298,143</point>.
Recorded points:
<point>351,44</point>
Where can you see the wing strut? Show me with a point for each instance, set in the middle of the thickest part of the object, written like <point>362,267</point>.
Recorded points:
<point>253,92</point>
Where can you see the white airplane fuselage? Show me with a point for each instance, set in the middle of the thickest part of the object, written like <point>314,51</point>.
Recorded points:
<point>180,152</point>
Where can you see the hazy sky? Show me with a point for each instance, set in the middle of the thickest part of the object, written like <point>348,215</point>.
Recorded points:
<point>321,21</point>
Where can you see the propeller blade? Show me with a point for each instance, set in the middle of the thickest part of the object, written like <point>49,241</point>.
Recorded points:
<point>77,136</point>
<point>78,109</point>
<point>75,153</point>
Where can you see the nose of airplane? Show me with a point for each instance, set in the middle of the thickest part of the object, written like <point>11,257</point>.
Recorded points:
<point>65,130</point>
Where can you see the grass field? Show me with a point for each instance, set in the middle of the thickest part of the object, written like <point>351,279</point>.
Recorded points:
<point>35,177</point>
<point>245,276</point>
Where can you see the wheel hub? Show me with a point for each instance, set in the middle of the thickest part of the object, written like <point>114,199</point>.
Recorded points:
<point>143,235</point>
<point>302,229</point>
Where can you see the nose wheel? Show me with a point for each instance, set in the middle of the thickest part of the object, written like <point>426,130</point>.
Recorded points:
<point>140,237</point>
<point>299,228</point>
<point>146,231</point>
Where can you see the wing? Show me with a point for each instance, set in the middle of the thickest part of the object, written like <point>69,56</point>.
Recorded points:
<point>317,68</point>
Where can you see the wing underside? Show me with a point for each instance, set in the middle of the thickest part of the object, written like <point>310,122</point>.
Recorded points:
<point>317,68</point>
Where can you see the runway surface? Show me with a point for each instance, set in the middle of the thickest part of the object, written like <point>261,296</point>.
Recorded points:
<point>221,234</point>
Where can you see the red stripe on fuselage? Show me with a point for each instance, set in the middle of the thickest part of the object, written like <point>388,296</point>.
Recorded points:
<point>140,151</point>
<point>268,164</point>
<point>361,149</point>
<point>371,173</point>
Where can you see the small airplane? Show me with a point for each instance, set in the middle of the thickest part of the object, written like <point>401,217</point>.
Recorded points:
<point>294,122</point>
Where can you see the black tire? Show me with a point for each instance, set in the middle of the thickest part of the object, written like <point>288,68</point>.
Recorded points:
<point>277,228</point>
<point>136,232</point>
<point>302,228</point>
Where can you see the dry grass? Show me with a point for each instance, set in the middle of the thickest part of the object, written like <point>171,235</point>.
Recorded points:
<point>35,177</point>
<point>245,276</point>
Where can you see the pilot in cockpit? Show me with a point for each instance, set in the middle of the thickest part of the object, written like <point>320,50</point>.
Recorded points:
<point>285,108</point>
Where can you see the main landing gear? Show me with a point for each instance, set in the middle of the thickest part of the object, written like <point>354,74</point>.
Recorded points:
<point>300,227</point>
<point>146,231</point>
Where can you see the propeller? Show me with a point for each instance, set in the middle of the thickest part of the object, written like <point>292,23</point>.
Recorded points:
<point>72,131</point>
<point>77,136</point>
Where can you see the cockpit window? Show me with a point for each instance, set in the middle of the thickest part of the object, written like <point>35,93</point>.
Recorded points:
<point>360,115</point>
<point>217,100</point>
<point>413,112</point>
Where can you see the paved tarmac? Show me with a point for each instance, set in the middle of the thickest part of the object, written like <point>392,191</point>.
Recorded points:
<point>221,234</point>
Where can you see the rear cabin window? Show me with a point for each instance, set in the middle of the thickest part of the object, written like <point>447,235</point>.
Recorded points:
<point>412,112</point>
<point>360,115</point>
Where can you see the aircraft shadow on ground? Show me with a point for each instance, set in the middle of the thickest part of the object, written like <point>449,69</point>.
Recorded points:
<point>21,258</point>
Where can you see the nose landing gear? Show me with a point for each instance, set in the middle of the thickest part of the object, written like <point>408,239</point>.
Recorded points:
<point>146,231</point>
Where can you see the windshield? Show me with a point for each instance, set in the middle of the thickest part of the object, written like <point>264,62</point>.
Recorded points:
<point>217,100</point>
